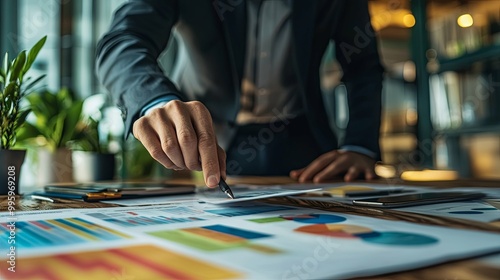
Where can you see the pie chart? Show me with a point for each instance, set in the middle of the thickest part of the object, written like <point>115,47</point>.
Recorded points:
<point>368,235</point>
<point>401,239</point>
<point>314,218</point>
<point>340,231</point>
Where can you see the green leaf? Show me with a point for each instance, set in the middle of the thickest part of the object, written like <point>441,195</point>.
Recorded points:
<point>49,126</point>
<point>37,106</point>
<point>6,65</point>
<point>64,98</point>
<point>33,83</point>
<point>33,53</point>
<point>58,116</point>
<point>44,105</point>
<point>27,132</point>
<point>17,66</point>
<point>73,116</point>
<point>21,119</point>
<point>51,102</point>
<point>57,133</point>
<point>12,90</point>
<point>9,94</point>
<point>2,74</point>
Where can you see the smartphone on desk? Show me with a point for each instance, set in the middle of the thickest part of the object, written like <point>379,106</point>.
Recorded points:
<point>108,191</point>
<point>417,199</point>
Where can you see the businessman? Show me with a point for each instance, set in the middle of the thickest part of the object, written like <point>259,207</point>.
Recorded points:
<point>245,95</point>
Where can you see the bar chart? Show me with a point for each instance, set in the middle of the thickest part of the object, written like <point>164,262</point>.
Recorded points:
<point>134,220</point>
<point>248,210</point>
<point>217,238</point>
<point>60,232</point>
<point>134,262</point>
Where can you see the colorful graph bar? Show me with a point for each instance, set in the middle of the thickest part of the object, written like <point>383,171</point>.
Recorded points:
<point>216,238</point>
<point>302,218</point>
<point>267,220</point>
<point>339,231</point>
<point>136,262</point>
<point>314,218</point>
<point>133,220</point>
<point>59,232</point>
<point>185,211</point>
<point>247,210</point>
<point>237,232</point>
<point>368,235</point>
<point>401,239</point>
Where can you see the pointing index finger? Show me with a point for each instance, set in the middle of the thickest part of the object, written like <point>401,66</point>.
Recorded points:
<point>207,146</point>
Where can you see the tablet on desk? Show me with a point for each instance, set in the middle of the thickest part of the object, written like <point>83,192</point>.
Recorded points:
<point>417,199</point>
<point>108,191</point>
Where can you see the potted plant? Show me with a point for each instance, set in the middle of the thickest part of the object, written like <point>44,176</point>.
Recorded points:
<point>57,121</point>
<point>14,86</point>
<point>92,159</point>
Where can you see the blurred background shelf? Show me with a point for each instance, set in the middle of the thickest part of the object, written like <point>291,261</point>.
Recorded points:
<point>468,130</point>
<point>465,61</point>
<point>441,92</point>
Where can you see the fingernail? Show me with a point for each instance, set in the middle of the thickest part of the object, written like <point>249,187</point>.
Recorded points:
<point>212,181</point>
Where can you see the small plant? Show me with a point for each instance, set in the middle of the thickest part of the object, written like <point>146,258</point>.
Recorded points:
<point>89,138</point>
<point>94,133</point>
<point>58,119</point>
<point>13,88</point>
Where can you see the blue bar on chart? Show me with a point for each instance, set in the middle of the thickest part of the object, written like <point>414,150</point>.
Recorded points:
<point>247,210</point>
<point>59,232</point>
<point>132,220</point>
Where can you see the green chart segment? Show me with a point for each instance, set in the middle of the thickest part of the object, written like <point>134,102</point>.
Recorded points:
<point>216,238</point>
<point>302,218</point>
<point>332,226</point>
<point>391,238</point>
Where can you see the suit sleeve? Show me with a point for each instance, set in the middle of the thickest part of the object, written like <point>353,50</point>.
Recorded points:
<point>356,50</point>
<point>127,55</point>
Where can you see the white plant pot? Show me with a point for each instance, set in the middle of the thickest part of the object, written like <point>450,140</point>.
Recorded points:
<point>93,167</point>
<point>54,167</point>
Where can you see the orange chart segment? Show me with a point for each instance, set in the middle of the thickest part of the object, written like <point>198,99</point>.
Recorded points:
<point>386,238</point>
<point>60,232</point>
<point>135,262</point>
<point>217,238</point>
<point>335,230</point>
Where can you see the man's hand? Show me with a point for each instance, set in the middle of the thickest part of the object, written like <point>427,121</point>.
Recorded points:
<point>180,135</point>
<point>334,164</point>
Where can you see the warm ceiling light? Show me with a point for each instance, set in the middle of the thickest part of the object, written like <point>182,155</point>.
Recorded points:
<point>409,20</point>
<point>465,20</point>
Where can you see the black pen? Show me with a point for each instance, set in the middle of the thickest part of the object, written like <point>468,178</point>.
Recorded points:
<point>225,188</point>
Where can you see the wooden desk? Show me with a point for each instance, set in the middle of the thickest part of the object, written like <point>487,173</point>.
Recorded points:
<point>466,269</point>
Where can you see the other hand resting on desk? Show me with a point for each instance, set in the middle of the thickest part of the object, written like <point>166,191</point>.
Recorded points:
<point>333,164</point>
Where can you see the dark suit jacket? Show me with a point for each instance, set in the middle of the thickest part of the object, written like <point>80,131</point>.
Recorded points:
<point>213,35</point>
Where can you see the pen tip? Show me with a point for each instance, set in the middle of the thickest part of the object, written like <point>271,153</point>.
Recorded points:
<point>230,194</point>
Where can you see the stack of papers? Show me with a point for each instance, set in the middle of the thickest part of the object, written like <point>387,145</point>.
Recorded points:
<point>196,240</point>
